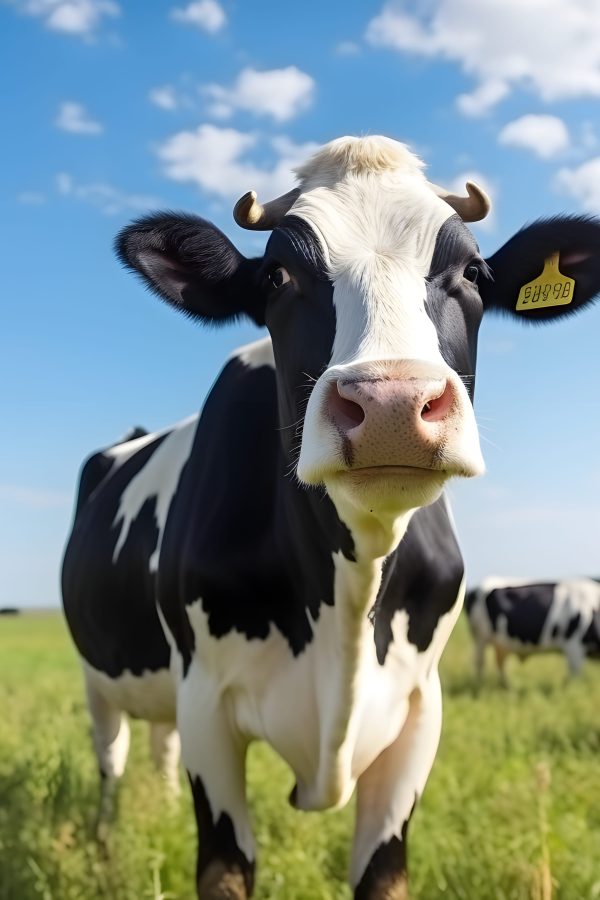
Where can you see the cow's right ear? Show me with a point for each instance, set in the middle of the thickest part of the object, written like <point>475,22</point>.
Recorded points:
<point>192,265</point>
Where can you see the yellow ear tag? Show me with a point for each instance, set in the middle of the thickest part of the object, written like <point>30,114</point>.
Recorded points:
<point>551,288</point>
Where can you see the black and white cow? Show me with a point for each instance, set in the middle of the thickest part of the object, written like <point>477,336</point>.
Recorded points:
<point>284,567</point>
<point>527,617</point>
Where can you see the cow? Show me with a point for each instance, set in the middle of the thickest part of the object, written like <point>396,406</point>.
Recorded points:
<point>284,567</point>
<point>526,617</point>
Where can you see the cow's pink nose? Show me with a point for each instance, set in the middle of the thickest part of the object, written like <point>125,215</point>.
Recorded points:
<point>353,402</point>
<point>392,421</point>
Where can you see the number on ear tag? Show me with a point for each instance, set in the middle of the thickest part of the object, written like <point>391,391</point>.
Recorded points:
<point>551,288</point>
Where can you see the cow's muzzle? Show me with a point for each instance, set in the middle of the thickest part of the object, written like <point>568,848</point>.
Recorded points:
<point>391,421</point>
<point>404,417</point>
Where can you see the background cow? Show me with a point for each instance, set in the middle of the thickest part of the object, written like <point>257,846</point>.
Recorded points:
<point>525,617</point>
<point>284,567</point>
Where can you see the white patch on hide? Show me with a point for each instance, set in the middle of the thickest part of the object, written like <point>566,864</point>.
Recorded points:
<point>257,354</point>
<point>150,696</point>
<point>158,478</point>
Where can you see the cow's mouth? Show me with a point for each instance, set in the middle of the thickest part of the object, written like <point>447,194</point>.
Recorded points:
<point>371,471</point>
<point>443,469</point>
<point>392,478</point>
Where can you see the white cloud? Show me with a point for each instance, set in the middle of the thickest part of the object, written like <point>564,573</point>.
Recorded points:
<point>551,47</point>
<point>588,138</point>
<point>64,183</point>
<point>108,199</point>
<point>205,14</point>
<point>31,198</point>
<point>73,117</point>
<point>279,93</point>
<point>347,48</point>
<point>482,99</point>
<point>164,97</point>
<point>546,136</point>
<point>582,183</point>
<point>216,160</point>
<point>80,18</point>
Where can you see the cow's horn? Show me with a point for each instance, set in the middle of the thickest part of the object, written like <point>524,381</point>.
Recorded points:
<point>249,213</point>
<point>472,208</point>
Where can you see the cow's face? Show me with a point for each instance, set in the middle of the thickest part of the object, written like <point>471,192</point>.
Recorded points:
<point>373,307</point>
<point>373,289</point>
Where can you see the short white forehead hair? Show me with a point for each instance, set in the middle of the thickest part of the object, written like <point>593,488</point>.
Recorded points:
<point>358,156</point>
<point>368,199</point>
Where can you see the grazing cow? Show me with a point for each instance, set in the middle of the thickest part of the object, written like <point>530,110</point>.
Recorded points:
<point>526,617</point>
<point>284,566</point>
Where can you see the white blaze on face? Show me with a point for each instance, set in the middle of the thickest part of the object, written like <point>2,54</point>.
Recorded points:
<point>378,232</point>
<point>379,296</point>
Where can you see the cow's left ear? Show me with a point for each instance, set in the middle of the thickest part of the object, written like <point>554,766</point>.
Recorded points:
<point>192,265</point>
<point>576,240</point>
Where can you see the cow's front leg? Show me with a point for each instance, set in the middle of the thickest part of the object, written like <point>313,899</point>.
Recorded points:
<point>386,795</point>
<point>214,753</point>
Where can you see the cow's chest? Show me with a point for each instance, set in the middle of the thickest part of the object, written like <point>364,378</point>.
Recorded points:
<point>330,710</point>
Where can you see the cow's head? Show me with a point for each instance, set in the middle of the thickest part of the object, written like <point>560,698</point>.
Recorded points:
<point>373,289</point>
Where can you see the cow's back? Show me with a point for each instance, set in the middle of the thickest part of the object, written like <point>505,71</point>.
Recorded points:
<point>107,581</point>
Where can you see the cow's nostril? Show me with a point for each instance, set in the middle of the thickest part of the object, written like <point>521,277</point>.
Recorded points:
<point>345,413</point>
<point>438,407</point>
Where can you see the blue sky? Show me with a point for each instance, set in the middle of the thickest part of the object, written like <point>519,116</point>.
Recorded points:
<point>116,107</point>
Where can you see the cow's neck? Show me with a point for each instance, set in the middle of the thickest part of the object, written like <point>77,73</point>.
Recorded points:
<point>329,526</point>
<point>344,634</point>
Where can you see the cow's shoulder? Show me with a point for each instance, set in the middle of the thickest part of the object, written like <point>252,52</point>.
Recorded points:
<point>218,535</point>
<point>422,577</point>
<point>233,457</point>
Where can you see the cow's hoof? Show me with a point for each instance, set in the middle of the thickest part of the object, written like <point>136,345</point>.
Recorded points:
<point>386,887</point>
<point>217,882</point>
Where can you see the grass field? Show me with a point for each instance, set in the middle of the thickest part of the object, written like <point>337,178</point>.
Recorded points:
<point>512,808</point>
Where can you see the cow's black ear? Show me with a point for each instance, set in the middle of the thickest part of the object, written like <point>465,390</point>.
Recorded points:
<point>191,264</point>
<point>521,260</point>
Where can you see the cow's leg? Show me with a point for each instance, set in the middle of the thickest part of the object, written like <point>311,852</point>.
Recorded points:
<point>166,748</point>
<point>386,795</point>
<point>110,734</point>
<point>575,654</point>
<point>501,654</point>
<point>214,755</point>
<point>479,657</point>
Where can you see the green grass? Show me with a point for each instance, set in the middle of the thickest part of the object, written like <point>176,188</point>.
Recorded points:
<point>512,808</point>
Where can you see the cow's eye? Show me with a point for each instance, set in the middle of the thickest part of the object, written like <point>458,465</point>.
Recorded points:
<point>471,273</point>
<point>278,277</point>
